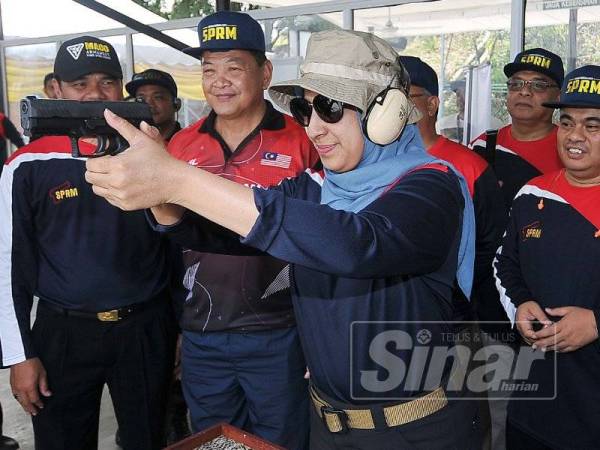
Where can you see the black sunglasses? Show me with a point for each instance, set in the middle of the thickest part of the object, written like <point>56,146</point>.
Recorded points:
<point>329,110</point>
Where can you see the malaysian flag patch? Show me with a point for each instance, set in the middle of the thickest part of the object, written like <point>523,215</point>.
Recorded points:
<point>276,160</point>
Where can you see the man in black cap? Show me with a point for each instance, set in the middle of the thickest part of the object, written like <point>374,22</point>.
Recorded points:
<point>242,362</point>
<point>547,275</point>
<point>101,276</point>
<point>158,89</point>
<point>489,220</point>
<point>527,147</point>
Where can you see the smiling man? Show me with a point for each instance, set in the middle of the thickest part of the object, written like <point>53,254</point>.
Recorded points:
<point>101,275</point>
<point>547,272</point>
<point>241,358</point>
<point>527,147</point>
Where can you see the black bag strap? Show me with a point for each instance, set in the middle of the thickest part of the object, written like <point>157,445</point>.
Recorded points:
<point>489,153</point>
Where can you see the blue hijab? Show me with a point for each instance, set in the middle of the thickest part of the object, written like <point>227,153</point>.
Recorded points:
<point>379,168</point>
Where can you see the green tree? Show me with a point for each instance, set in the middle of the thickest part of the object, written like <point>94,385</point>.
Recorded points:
<point>155,6</point>
<point>191,8</point>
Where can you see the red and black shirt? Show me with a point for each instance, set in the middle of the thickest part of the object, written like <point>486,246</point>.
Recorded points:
<point>241,293</point>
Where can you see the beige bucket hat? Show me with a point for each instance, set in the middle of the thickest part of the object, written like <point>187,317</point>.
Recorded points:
<point>349,66</point>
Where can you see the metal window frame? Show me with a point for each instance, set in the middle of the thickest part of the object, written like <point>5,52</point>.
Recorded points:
<point>517,27</point>
<point>346,7</point>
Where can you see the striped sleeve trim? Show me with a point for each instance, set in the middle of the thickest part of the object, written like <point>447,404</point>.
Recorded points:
<point>509,306</point>
<point>11,341</point>
<point>530,189</point>
<point>500,148</point>
<point>477,143</point>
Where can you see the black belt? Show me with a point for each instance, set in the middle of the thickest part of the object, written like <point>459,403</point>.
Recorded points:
<point>113,315</point>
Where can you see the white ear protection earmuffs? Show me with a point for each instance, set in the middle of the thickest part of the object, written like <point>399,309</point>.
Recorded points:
<point>387,114</point>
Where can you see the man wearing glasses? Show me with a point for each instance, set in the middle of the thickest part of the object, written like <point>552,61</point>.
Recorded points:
<point>527,147</point>
<point>241,357</point>
<point>547,272</point>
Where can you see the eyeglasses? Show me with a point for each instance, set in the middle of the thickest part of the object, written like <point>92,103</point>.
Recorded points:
<point>329,110</point>
<point>536,85</point>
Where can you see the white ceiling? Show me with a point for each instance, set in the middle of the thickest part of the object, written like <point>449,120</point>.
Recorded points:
<point>38,18</point>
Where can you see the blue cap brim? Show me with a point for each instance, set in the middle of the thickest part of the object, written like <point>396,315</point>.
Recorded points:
<point>573,104</point>
<point>511,68</point>
<point>193,51</point>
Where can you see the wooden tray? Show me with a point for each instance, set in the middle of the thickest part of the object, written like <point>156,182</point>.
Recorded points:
<point>229,431</point>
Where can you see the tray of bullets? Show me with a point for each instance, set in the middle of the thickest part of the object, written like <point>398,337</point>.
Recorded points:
<point>223,437</point>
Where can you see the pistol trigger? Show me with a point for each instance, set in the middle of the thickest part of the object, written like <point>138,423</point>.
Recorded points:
<point>75,153</point>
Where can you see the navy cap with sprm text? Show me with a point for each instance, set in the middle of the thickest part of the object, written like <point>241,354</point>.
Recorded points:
<point>228,30</point>
<point>581,89</point>
<point>537,60</point>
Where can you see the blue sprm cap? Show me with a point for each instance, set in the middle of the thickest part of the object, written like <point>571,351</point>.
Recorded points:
<point>421,74</point>
<point>581,89</point>
<point>228,30</point>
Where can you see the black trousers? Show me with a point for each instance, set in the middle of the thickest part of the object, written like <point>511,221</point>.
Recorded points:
<point>518,440</point>
<point>134,357</point>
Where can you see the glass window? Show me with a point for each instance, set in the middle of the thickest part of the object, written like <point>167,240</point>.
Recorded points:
<point>458,39</point>
<point>566,28</point>
<point>287,38</point>
<point>26,66</point>
<point>119,42</point>
<point>149,53</point>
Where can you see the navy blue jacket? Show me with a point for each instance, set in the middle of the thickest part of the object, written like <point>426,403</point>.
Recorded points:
<point>395,260</point>
<point>66,245</point>
<point>550,254</point>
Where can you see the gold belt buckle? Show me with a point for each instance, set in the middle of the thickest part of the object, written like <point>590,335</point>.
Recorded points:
<point>108,316</point>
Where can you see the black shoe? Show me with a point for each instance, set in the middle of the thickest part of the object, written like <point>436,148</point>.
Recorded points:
<point>118,439</point>
<point>7,443</point>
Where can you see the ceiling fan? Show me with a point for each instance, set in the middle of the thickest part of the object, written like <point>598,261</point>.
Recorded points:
<point>389,25</point>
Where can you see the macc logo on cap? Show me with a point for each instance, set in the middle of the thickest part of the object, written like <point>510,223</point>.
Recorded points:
<point>536,60</point>
<point>583,85</point>
<point>75,50</point>
<point>92,50</point>
<point>218,32</point>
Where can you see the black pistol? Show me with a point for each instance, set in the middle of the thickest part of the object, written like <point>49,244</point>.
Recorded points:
<point>76,119</point>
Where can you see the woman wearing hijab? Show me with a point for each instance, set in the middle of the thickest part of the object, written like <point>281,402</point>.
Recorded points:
<point>376,245</point>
